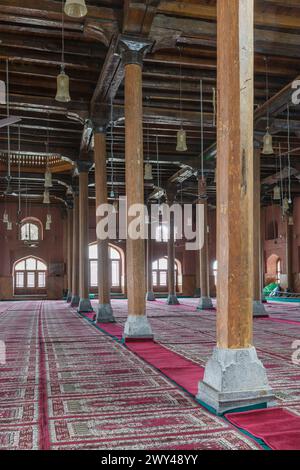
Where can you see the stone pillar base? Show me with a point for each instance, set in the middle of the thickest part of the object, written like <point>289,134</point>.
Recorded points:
<point>205,303</point>
<point>259,309</point>
<point>172,299</point>
<point>75,300</point>
<point>137,326</point>
<point>150,296</point>
<point>69,297</point>
<point>85,306</point>
<point>233,379</point>
<point>105,314</point>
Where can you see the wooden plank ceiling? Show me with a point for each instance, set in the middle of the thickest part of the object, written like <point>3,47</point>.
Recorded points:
<point>184,36</point>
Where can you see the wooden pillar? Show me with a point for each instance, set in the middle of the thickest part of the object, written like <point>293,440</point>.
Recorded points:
<point>84,304</point>
<point>104,310</point>
<point>172,297</point>
<point>234,377</point>
<point>205,300</point>
<point>149,260</point>
<point>289,255</point>
<point>69,252</point>
<point>132,54</point>
<point>258,307</point>
<point>75,249</point>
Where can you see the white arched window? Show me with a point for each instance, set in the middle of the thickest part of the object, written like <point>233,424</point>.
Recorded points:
<point>115,266</point>
<point>160,273</point>
<point>30,230</point>
<point>30,274</point>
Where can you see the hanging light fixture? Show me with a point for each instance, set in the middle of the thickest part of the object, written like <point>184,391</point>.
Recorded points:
<point>291,220</point>
<point>268,139</point>
<point>63,82</point>
<point>148,172</point>
<point>48,179</point>
<point>181,134</point>
<point>285,205</point>
<point>46,199</point>
<point>276,193</point>
<point>48,226</point>
<point>289,155</point>
<point>9,225</point>
<point>49,218</point>
<point>75,8</point>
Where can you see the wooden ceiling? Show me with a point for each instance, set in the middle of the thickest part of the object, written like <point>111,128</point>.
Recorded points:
<point>184,38</point>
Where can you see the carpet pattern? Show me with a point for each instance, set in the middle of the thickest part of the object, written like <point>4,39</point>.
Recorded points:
<point>67,385</point>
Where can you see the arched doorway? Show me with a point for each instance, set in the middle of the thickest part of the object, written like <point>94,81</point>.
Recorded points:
<point>30,276</point>
<point>160,275</point>
<point>115,268</point>
<point>274,269</point>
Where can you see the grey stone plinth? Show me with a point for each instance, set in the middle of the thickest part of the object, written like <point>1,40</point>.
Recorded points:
<point>75,300</point>
<point>105,314</point>
<point>137,327</point>
<point>205,303</point>
<point>85,306</point>
<point>234,378</point>
<point>172,299</point>
<point>150,296</point>
<point>259,309</point>
<point>69,297</point>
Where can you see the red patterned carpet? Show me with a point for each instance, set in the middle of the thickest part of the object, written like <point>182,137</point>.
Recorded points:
<point>66,385</point>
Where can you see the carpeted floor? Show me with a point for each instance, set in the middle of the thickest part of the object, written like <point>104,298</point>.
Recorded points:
<point>67,385</point>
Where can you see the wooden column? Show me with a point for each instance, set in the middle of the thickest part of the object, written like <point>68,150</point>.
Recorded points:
<point>289,255</point>
<point>150,294</point>
<point>84,304</point>
<point>104,310</point>
<point>205,300</point>
<point>258,307</point>
<point>75,248</point>
<point>172,297</point>
<point>132,53</point>
<point>69,252</point>
<point>234,377</point>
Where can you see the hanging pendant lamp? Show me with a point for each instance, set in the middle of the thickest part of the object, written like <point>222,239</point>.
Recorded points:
<point>63,81</point>
<point>75,8</point>
<point>291,220</point>
<point>276,193</point>
<point>181,134</point>
<point>48,226</point>
<point>268,144</point>
<point>9,225</point>
<point>285,205</point>
<point>46,199</point>
<point>181,141</point>
<point>148,176</point>
<point>63,87</point>
<point>48,179</point>
<point>268,139</point>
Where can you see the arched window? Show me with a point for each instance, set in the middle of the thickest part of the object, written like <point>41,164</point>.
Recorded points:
<point>115,266</point>
<point>215,271</point>
<point>30,276</point>
<point>160,274</point>
<point>31,230</point>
